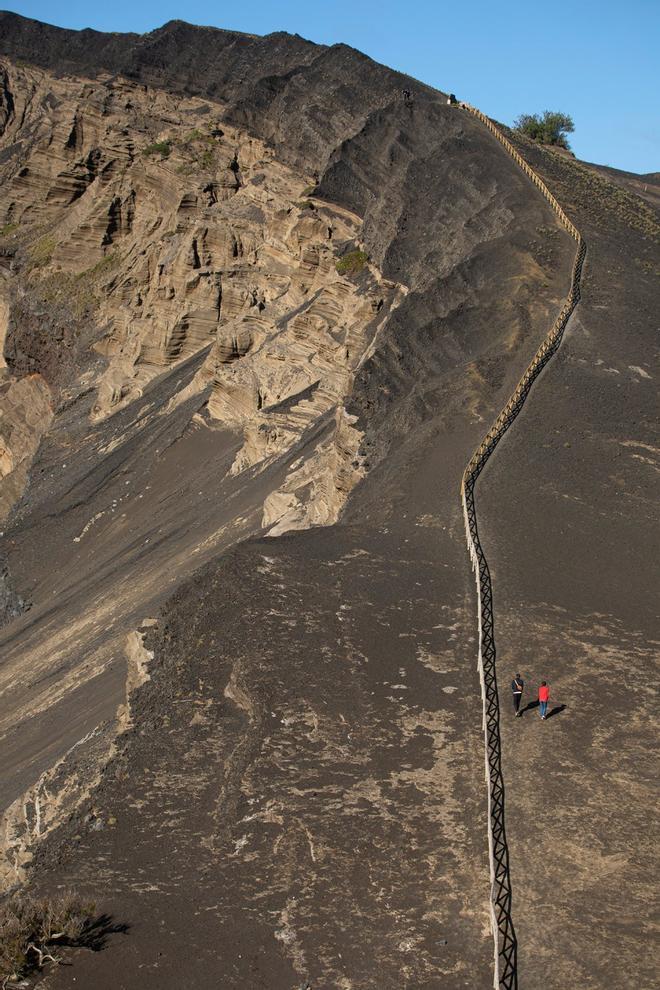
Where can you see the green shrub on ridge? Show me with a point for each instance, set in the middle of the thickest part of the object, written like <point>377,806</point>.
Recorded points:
<point>551,127</point>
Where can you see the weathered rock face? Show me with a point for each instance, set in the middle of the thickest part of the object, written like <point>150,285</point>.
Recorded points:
<point>172,233</point>
<point>25,413</point>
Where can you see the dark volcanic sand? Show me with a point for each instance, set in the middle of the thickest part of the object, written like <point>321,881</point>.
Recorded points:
<point>571,524</point>
<point>155,510</point>
<point>301,789</point>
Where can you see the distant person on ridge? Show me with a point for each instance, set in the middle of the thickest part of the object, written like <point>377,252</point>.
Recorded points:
<point>517,685</point>
<point>544,698</point>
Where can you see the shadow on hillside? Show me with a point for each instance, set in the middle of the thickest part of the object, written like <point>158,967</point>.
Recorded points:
<point>535,704</point>
<point>95,935</point>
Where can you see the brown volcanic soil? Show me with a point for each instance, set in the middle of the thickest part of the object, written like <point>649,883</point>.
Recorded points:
<point>301,798</point>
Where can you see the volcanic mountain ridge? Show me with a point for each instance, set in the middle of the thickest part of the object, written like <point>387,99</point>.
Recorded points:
<point>252,285</point>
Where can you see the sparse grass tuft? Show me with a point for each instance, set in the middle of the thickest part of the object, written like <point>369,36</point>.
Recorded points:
<point>206,159</point>
<point>41,252</point>
<point>582,188</point>
<point>102,267</point>
<point>65,288</point>
<point>306,204</point>
<point>8,229</point>
<point>648,267</point>
<point>352,262</point>
<point>197,135</point>
<point>80,291</point>
<point>31,931</point>
<point>308,190</point>
<point>200,149</point>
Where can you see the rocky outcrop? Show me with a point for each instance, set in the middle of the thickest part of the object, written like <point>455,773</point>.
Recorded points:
<point>162,231</point>
<point>11,604</point>
<point>315,490</point>
<point>25,414</point>
<point>303,99</point>
<point>61,789</point>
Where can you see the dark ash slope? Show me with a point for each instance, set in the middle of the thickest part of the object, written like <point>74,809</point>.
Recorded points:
<point>569,511</point>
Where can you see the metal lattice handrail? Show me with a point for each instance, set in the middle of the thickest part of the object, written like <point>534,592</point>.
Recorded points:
<point>505,972</point>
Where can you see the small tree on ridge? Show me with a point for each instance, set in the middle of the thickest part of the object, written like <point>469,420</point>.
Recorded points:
<point>551,127</point>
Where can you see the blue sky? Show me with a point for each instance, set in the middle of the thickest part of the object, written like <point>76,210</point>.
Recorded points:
<point>598,61</point>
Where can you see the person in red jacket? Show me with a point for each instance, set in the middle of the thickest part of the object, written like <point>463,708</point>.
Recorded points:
<point>544,698</point>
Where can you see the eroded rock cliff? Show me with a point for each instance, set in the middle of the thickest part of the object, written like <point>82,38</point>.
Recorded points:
<point>173,232</point>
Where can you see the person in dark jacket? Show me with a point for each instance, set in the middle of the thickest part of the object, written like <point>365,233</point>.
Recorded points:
<point>517,685</point>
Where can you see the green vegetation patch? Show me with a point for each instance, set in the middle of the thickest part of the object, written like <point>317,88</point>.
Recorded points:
<point>162,148</point>
<point>206,159</point>
<point>8,229</point>
<point>550,127</point>
<point>352,262</point>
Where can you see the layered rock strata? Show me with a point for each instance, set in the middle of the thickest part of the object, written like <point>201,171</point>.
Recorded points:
<point>174,232</point>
